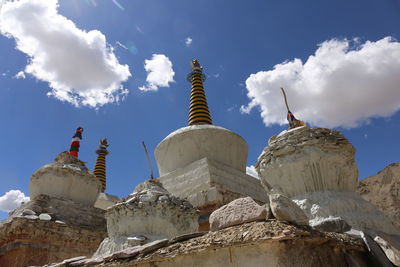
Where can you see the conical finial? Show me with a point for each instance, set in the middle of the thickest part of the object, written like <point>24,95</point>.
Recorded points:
<point>100,167</point>
<point>76,142</point>
<point>198,109</point>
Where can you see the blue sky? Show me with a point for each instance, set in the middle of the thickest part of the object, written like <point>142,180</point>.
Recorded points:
<point>232,40</point>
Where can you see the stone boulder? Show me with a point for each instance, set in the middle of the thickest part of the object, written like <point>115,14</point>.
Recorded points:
<point>241,210</point>
<point>349,206</point>
<point>331,224</point>
<point>285,209</point>
<point>390,245</point>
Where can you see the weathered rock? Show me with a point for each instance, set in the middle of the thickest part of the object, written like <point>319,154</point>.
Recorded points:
<point>267,207</point>
<point>36,209</point>
<point>45,217</point>
<point>163,198</point>
<point>390,246</point>
<point>239,211</point>
<point>87,262</point>
<point>28,212</point>
<point>382,190</point>
<point>349,206</point>
<point>136,240</point>
<point>134,251</point>
<point>151,186</point>
<point>32,217</point>
<point>331,224</point>
<point>186,237</point>
<point>304,160</point>
<point>285,209</point>
<point>376,251</point>
<point>149,247</point>
<point>126,253</point>
<point>67,261</point>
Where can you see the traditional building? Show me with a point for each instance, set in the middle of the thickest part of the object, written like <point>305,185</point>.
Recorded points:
<point>203,163</point>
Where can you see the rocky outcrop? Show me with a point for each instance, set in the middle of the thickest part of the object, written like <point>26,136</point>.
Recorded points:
<point>303,160</point>
<point>383,190</point>
<point>26,242</point>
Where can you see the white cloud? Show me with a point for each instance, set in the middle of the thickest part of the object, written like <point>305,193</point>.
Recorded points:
<point>159,72</point>
<point>79,66</point>
<point>12,200</point>
<point>188,41</point>
<point>251,170</point>
<point>20,75</point>
<point>338,86</point>
<point>121,45</point>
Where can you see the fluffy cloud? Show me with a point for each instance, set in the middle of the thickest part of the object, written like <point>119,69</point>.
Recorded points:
<point>188,41</point>
<point>343,84</point>
<point>251,170</point>
<point>159,72</point>
<point>12,200</point>
<point>20,75</point>
<point>79,66</point>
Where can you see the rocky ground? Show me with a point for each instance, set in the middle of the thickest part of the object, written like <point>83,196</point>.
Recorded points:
<point>250,232</point>
<point>265,231</point>
<point>383,190</point>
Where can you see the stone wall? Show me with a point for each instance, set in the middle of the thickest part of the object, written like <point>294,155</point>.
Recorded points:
<point>270,244</point>
<point>208,185</point>
<point>25,242</point>
<point>66,211</point>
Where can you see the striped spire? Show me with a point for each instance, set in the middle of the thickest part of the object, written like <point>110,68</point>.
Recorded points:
<point>100,168</point>
<point>76,142</point>
<point>198,109</point>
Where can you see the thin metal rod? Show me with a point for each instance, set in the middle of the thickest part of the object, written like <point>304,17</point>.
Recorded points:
<point>148,161</point>
<point>284,95</point>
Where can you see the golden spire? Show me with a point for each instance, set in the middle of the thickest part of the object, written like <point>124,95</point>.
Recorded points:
<point>100,168</point>
<point>198,109</point>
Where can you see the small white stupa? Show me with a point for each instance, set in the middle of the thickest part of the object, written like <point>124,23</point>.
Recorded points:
<point>316,168</point>
<point>67,177</point>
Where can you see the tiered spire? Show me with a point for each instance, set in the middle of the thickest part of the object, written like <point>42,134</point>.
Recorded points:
<point>76,142</point>
<point>100,168</point>
<point>198,110</point>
